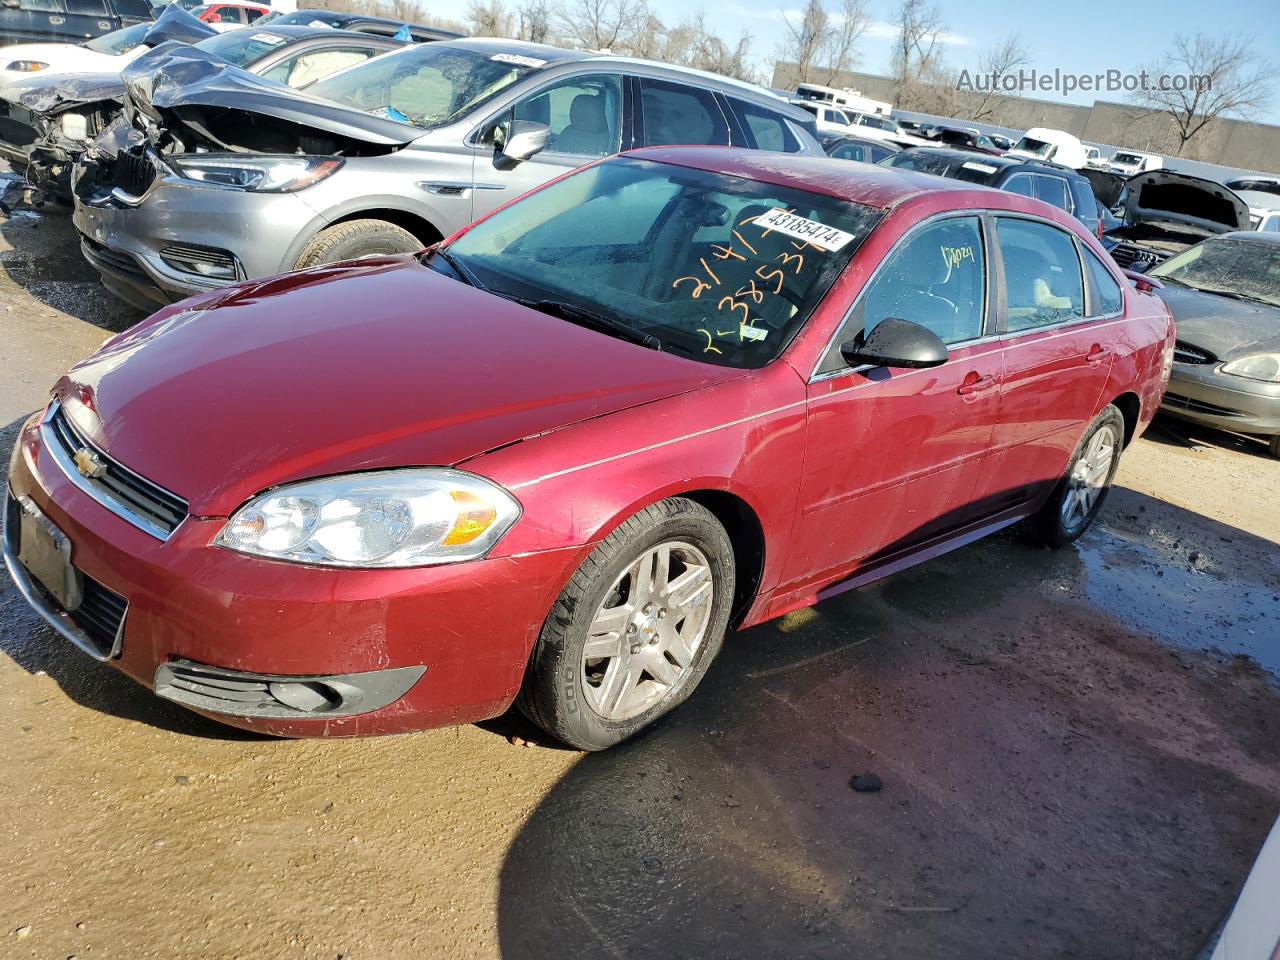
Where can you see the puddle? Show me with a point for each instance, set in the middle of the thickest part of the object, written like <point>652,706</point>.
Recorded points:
<point>1183,593</point>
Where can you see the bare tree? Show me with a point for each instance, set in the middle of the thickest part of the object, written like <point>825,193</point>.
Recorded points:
<point>843,36</point>
<point>804,38</point>
<point>488,18</point>
<point>1202,79</point>
<point>920,31</point>
<point>1005,57</point>
<point>535,21</point>
<point>598,24</point>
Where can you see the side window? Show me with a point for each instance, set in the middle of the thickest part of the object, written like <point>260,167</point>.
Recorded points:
<point>851,151</point>
<point>880,153</point>
<point>584,114</point>
<point>1042,273</point>
<point>1019,183</point>
<point>766,129</point>
<point>252,14</point>
<point>674,113</point>
<point>1273,224</point>
<point>305,68</point>
<point>88,8</point>
<point>937,279</point>
<point>1054,190</point>
<point>1110,299</point>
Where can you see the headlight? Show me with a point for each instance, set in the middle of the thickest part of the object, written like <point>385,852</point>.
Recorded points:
<point>1260,366</point>
<point>262,174</point>
<point>392,518</point>
<point>26,66</point>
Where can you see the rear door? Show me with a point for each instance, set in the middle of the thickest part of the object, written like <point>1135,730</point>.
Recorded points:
<point>896,456</point>
<point>585,114</point>
<point>1057,328</point>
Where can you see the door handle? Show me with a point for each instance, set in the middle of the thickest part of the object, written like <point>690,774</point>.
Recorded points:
<point>975,384</point>
<point>1097,354</point>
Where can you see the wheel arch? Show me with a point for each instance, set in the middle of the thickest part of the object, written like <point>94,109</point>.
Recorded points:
<point>1130,407</point>
<point>418,225</point>
<point>746,534</point>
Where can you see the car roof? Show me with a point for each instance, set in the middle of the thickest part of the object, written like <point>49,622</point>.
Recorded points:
<point>536,51</point>
<point>865,141</point>
<point>999,162</point>
<point>297,32</point>
<point>1271,238</point>
<point>346,17</point>
<point>868,184</point>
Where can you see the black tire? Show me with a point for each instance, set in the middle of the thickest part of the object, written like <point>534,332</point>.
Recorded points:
<point>554,695</point>
<point>1273,446</point>
<point>1048,525</point>
<point>356,238</point>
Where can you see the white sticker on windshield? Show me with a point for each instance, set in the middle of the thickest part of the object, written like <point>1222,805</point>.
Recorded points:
<point>980,167</point>
<point>319,23</point>
<point>747,332</point>
<point>518,60</point>
<point>271,38</point>
<point>818,234</point>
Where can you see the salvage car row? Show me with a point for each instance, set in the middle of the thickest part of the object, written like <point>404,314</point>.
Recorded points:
<point>474,452</point>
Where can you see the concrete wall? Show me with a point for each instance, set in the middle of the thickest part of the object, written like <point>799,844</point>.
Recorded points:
<point>1230,143</point>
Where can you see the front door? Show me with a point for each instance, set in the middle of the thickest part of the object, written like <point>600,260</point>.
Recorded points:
<point>585,116</point>
<point>894,456</point>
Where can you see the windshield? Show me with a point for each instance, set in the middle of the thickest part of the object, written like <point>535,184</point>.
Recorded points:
<point>1126,158</point>
<point>1244,268</point>
<point>1036,147</point>
<point>428,85</point>
<point>242,48</point>
<point>942,165</point>
<point>119,41</point>
<point>709,265</point>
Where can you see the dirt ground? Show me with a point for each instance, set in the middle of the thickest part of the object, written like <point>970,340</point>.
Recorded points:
<point>1080,753</point>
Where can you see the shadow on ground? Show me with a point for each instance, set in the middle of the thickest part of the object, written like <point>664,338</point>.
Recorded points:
<point>1070,768</point>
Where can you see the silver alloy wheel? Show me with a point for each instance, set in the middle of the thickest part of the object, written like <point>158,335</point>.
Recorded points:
<point>1088,477</point>
<point>647,630</point>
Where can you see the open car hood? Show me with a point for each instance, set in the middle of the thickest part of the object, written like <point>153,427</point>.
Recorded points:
<point>1162,196</point>
<point>163,81</point>
<point>174,23</point>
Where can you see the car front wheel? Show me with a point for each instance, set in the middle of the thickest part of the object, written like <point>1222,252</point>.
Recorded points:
<point>635,629</point>
<point>1079,495</point>
<point>355,239</point>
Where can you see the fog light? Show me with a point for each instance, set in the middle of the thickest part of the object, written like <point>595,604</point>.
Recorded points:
<point>209,262</point>
<point>308,697</point>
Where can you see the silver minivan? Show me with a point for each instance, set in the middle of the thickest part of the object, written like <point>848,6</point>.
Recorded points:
<point>213,175</point>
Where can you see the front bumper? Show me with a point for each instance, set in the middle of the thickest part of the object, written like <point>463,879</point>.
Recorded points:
<point>215,630</point>
<point>1198,392</point>
<point>129,240</point>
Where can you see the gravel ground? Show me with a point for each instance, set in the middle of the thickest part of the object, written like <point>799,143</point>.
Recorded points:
<point>1079,752</point>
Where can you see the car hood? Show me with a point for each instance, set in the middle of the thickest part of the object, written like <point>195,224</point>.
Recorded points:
<point>372,364</point>
<point>1162,196</point>
<point>175,76</point>
<point>174,23</point>
<point>1224,326</point>
<point>60,93</point>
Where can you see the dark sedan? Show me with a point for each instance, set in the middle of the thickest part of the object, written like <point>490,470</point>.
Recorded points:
<point>1225,297</point>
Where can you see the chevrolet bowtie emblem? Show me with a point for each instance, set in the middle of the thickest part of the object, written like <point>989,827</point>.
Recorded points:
<point>88,463</point>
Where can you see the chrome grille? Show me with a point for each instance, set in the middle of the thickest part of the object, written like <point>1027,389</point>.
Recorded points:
<point>1185,353</point>
<point>1127,255</point>
<point>146,505</point>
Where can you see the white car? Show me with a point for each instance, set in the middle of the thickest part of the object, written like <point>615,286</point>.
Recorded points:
<point>1262,194</point>
<point>829,120</point>
<point>1130,163</point>
<point>108,53</point>
<point>875,127</point>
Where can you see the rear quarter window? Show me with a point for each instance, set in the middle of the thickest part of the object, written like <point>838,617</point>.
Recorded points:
<point>765,129</point>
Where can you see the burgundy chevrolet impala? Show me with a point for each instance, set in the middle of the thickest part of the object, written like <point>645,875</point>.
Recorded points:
<point>555,458</point>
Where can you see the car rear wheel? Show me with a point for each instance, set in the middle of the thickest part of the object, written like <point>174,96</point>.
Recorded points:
<point>1079,495</point>
<point>355,239</point>
<point>635,629</point>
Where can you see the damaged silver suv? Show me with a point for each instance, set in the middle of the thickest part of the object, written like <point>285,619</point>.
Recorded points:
<point>213,175</point>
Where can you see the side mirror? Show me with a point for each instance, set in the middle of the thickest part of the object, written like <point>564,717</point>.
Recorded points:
<point>524,139</point>
<point>897,343</point>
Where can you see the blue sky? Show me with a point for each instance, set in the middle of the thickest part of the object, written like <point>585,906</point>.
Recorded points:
<point>1080,36</point>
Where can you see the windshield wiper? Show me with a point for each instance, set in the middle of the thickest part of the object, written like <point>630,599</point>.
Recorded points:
<point>590,318</point>
<point>1234,295</point>
<point>461,269</point>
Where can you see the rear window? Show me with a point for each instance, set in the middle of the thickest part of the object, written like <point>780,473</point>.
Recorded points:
<point>1127,158</point>
<point>941,165</point>
<point>767,130</point>
<point>1037,147</point>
